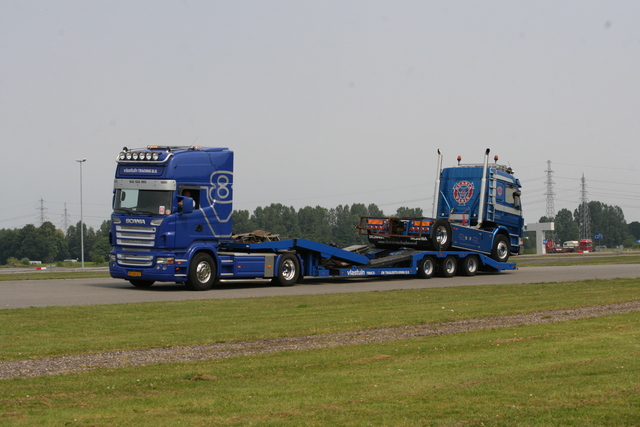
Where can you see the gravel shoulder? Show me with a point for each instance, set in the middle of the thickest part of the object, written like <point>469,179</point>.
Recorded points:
<point>119,359</point>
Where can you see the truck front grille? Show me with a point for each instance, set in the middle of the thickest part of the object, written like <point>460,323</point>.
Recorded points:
<point>135,260</point>
<point>135,236</point>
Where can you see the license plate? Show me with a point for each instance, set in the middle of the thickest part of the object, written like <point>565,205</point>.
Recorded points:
<point>134,273</point>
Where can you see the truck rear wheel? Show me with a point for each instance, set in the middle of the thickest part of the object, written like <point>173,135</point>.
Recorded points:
<point>288,270</point>
<point>441,235</point>
<point>141,283</point>
<point>469,265</point>
<point>448,266</point>
<point>202,272</point>
<point>426,267</point>
<point>501,248</point>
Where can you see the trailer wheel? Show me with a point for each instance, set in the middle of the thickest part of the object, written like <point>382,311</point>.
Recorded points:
<point>288,270</point>
<point>202,273</point>
<point>501,250</point>
<point>449,266</point>
<point>142,283</point>
<point>469,265</point>
<point>426,267</point>
<point>441,235</point>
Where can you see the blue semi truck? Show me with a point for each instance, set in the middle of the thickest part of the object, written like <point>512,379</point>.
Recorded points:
<point>172,222</point>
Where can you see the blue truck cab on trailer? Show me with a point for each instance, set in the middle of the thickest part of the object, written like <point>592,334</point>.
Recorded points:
<point>477,207</point>
<point>172,222</point>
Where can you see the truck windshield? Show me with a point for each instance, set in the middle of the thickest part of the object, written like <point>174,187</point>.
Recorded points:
<point>151,202</point>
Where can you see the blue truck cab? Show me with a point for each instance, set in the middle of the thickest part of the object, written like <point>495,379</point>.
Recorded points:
<point>169,204</point>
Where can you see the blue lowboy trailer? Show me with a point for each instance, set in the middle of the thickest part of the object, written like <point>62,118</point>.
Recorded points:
<point>172,222</point>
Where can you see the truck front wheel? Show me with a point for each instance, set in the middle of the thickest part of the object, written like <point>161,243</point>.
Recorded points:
<point>202,273</point>
<point>288,270</point>
<point>501,249</point>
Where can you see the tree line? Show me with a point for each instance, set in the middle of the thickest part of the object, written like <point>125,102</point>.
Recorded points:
<point>337,226</point>
<point>605,220</point>
<point>49,244</point>
<point>333,226</point>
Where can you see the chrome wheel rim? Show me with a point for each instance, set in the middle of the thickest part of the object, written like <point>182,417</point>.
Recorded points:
<point>203,272</point>
<point>288,270</point>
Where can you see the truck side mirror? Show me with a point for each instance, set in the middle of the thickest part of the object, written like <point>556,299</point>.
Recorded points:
<point>185,204</point>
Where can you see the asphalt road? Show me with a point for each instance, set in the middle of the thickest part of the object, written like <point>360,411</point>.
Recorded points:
<point>42,293</point>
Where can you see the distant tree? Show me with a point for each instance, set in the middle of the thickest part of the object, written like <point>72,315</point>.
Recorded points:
<point>54,241</point>
<point>566,228</point>
<point>606,220</point>
<point>9,245</point>
<point>104,230</point>
<point>277,219</point>
<point>100,250</point>
<point>344,219</point>
<point>405,212</point>
<point>634,229</point>
<point>12,262</point>
<point>315,224</point>
<point>374,210</point>
<point>242,222</point>
<point>74,242</point>
<point>32,244</point>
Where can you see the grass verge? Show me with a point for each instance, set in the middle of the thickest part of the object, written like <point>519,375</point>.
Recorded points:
<point>45,275</point>
<point>582,373</point>
<point>56,331</point>
<point>595,258</point>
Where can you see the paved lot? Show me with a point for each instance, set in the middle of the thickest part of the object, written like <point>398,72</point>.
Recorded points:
<point>41,293</point>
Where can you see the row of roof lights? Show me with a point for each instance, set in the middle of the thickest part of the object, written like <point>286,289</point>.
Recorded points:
<point>134,155</point>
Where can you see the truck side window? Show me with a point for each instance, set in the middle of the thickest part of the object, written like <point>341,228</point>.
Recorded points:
<point>513,196</point>
<point>194,194</point>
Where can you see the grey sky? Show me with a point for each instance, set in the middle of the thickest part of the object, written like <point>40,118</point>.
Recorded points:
<point>323,102</point>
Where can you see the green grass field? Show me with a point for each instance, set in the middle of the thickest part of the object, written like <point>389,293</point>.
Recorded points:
<point>583,372</point>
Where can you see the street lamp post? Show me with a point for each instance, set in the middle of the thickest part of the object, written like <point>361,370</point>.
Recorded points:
<point>81,161</point>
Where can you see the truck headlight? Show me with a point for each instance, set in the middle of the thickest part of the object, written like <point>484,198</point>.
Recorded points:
<point>165,260</point>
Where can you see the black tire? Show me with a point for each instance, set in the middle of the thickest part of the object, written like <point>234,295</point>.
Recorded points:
<point>469,265</point>
<point>501,248</point>
<point>202,272</point>
<point>448,266</point>
<point>287,271</point>
<point>441,235</point>
<point>426,267</point>
<point>141,283</point>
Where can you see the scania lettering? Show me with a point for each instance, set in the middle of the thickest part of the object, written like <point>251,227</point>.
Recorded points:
<point>172,222</point>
